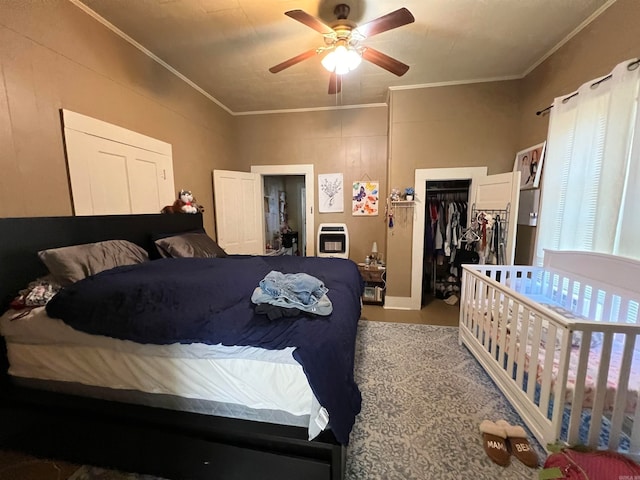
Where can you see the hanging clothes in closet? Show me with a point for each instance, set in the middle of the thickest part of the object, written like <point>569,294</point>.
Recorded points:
<point>446,218</point>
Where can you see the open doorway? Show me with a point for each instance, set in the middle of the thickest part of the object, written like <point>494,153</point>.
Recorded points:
<point>284,214</point>
<point>297,183</point>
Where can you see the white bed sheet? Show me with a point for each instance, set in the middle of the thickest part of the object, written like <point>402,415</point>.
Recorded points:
<point>43,348</point>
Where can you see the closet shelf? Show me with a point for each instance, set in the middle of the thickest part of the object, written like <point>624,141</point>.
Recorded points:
<point>403,203</point>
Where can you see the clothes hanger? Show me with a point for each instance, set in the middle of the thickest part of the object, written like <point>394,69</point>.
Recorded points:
<point>470,235</point>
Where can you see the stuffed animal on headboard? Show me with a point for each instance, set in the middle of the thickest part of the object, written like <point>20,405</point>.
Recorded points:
<point>185,203</point>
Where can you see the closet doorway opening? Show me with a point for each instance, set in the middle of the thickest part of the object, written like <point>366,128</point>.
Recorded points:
<point>497,195</point>
<point>471,175</point>
<point>446,213</point>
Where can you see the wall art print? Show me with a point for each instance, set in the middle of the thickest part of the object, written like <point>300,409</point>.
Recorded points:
<point>365,198</point>
<point>330,193</point>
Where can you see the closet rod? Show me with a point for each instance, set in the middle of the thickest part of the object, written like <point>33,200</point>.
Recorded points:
<point>447,190</point>
<point>632,66</point>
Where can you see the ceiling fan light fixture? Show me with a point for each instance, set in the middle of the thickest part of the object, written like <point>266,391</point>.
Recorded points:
<point>342,60</point>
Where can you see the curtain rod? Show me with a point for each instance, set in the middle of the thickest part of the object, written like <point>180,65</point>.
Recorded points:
<point>631,66</point>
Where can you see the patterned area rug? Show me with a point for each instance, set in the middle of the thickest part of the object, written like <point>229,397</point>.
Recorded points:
<point>423,399</point>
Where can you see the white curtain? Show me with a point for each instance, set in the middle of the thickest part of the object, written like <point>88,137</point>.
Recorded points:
<point>591,171</point>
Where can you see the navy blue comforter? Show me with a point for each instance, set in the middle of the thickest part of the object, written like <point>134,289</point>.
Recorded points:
<point>207,300</point>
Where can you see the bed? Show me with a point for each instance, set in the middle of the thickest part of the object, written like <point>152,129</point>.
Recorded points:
<point>253,397</point>
<point>560,342</point>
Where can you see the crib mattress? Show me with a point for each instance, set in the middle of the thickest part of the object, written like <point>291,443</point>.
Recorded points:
<point>42,348</point>
<point>593,364</point>
<point>591,377</point>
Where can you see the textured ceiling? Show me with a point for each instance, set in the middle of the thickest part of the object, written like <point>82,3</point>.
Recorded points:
<point>226,47</point>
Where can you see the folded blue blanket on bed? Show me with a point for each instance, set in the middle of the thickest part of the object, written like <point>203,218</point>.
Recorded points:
<point>207,300</point>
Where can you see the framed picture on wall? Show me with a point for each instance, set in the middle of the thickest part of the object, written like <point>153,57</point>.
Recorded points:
<point>529,163</point>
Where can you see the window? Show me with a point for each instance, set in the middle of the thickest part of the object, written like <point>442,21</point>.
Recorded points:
<point>592,168</point>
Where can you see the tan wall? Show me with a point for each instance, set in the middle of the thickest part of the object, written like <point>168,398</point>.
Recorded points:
<point>350,141</point>
<point>610,39</point>
<point>53,56</point>
<point>457,126</point>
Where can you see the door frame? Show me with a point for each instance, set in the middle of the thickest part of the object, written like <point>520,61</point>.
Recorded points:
<point>417,255</point>
<point>307,172</point>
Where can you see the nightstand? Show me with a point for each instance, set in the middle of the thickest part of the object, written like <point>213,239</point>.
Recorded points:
<point>374,283</point>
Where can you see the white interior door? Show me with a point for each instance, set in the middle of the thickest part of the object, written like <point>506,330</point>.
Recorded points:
<point>114,171</point>
<point>239,216</point>
<point>109,178</point>
<point>499,192</point>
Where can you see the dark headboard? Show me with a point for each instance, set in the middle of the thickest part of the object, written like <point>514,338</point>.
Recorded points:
<point>22,238</point>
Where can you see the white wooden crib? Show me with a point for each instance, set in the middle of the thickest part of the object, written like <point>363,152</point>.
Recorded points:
<point>572,324</point>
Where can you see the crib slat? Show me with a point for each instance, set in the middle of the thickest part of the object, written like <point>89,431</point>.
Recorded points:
<point>470,288</point>
<point>481,309</point>
<point>522,349</point>
<point>547,367</point>
<point>537,282</point>
<point>620,401</point>
<point>477,309</point>
<point>492,274</point>
<point>580,299</point>
<point>568,301</point>
<point>464,312</point>
<point>533,359</point>
<point>607,306</point>
<point>505,320</point>
<point>486,327</point>
<point>547,283</point>
<point>573,435</point>
<point>624,309</point>
<point>494,316</point>
<point>593,303</point>
<point>501,316</point>
<point>514,321</point>
<point>601,390</point>
<point>560,388</point>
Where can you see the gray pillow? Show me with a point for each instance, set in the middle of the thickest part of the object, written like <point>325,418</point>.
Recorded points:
<point>189,245</point>
<point>70,264</point>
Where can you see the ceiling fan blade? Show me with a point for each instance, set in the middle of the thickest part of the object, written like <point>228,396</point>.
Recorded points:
<point>335,83</point>
<point>310,21</point>
<point>292,61</point>
<point>386,22</point>
<point>385,61</point>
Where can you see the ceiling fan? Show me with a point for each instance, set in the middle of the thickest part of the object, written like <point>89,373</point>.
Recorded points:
<point>342,43</point>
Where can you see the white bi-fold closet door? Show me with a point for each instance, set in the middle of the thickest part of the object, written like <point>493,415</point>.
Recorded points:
<point>115,171</point>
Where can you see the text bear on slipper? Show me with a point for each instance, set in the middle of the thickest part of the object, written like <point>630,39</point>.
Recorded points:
<point>184,204</point>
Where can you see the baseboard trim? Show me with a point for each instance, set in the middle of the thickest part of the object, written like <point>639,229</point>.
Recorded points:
<point>399,303</point>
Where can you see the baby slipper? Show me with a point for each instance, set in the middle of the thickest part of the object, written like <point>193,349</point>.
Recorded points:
<point>519,444</point>
<point>493,440</point>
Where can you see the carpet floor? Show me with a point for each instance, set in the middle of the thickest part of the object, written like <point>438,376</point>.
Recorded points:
<point>423,399</point>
